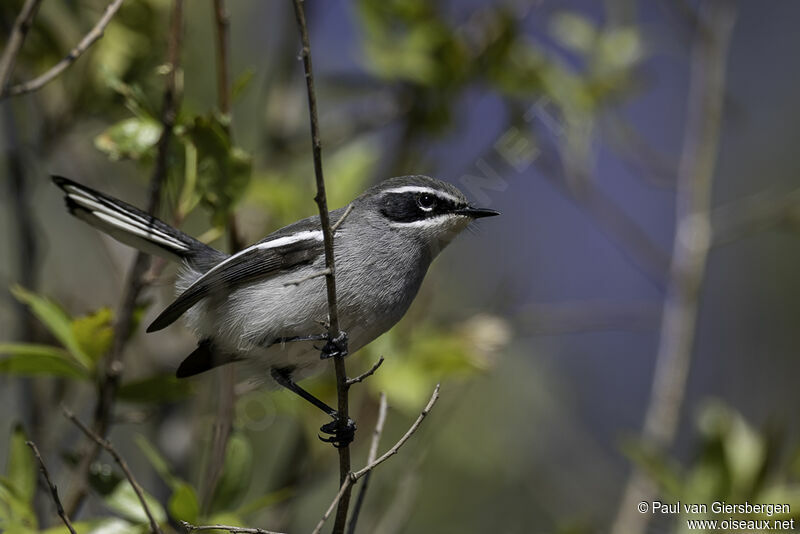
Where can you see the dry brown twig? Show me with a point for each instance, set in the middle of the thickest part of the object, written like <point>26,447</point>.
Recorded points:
<point>353,477</point>
<point>53,72</point>
<point>52,487</point>
<point>373,454</point>
<point>105,444</point>
<point>16,39</point>
<point>363,376</point>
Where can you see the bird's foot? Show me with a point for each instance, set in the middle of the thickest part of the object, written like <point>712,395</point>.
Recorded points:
<point>335,347</point>
<point>339,435</point>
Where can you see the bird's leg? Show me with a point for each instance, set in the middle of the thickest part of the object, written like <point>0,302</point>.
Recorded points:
<point>339,436</point>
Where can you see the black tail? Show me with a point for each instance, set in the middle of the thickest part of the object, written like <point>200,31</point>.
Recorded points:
<point>132,226</point>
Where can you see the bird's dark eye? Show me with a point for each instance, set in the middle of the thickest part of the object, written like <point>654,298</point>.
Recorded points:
<point>426,202</point>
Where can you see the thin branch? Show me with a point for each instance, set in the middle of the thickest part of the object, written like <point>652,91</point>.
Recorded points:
<point>135,282</point>
<point>226,379</point>
<point>344,488</point>
<point>19,32</point>
<point>690,252</point>
<point>351,478</point>
<point>53,490</point>
<point>373,453</point>
<point>104,443</point>
<point>363,376</point>
<point>394,450</point>
<point>330,281</point>
<point>88,40</point>
<point>338,223</point>
<point>233,530</point>
<point>754,214</point>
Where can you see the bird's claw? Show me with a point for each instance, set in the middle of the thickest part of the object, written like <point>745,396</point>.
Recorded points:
<point>335,347</point>
<point>338,436</point>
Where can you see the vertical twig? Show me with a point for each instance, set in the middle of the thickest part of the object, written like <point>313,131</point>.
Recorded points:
<point>105,444</point>
<point>19,31</point>
<point>52,487</point>
<point>330,281</point>
<point>227,376</point>
<point>373,453</point>
<point>690,250</point>
<point>135,280</point>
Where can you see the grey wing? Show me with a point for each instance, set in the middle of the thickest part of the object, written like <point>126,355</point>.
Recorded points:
<point>258,261</point>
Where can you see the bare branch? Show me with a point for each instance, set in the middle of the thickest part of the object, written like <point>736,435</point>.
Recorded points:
<point>104,443</point>
<point>135,283</point>
<point>363,376</point>
<point>88,40</point>
<point>351,478</point>
<point>51,486</point>
<point>19,31</point>
<point>344,488</point>
<point>373,453</point>
<point>330,279</point>
<point>690,251</point>
<point>391,452</point>
<point>233,530</point>
<point>342,218</point>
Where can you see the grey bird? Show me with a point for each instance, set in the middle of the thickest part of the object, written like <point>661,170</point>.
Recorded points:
<point>266,304</point>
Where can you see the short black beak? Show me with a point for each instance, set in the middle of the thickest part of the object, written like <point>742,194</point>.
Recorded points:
<point>476,213</point>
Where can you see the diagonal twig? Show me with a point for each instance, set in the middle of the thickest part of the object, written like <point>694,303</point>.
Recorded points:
<point>233,530</point>
<point>105,444</point>
<point>88,40</point>
<point>53,490</point>
<point>367,374</point>
<point>19,32</point>
<point>351,478</point>
<point>373,453</point>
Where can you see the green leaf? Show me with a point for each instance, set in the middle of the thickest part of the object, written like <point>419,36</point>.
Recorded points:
<point>236,472</point>
<point>183,504</point>
<point>130,138</point>
<point>158,389</point>
<point>21,467</point>
<point>30,360</point>
<point>223,170</point>
<point>124,501</point>
<point>573,31</point>
<point>94,333</point>
<point>15,514</point>
<point>241,83</point>
<point>157,461</point>
<point>91,526</point>
<point>55,319</point>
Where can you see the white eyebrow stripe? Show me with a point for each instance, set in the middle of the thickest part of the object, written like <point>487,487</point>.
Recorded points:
<point>307,235</point>
<point>424,223</point>
<point>423,189</point>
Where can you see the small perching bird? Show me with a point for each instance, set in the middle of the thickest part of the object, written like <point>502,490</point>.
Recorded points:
<point>267,304</point>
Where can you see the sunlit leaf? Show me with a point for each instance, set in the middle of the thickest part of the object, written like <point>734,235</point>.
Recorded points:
<point>94,333</point>
<point>159,388</point>
<point>31,360</point>
<point>16,515</point>
<point>21,469</point>
<point>55,319</point>
<point>183,504</point>
<point>130,138</point>
<point>124,501</point>
<point>573,31</point>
